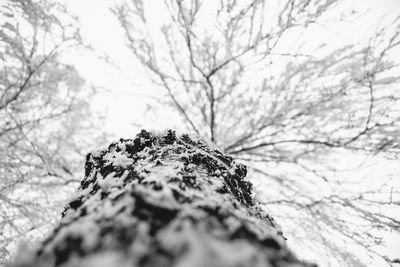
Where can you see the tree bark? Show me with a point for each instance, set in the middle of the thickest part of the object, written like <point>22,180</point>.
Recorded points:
<point>162,200</point>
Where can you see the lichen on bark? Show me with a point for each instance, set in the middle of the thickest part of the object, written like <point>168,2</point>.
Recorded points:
<point>163,200</point>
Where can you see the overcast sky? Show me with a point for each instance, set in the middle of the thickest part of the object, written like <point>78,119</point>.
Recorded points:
<point>127,84</point>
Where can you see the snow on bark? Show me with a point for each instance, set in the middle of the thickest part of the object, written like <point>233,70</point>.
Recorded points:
<point>163,200</point>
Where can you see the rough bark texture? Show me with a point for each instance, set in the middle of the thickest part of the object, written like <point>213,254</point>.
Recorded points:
<point>163,200</point>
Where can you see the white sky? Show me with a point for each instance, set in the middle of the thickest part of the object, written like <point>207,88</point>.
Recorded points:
<point>129,90</point>
<point>125,91</point>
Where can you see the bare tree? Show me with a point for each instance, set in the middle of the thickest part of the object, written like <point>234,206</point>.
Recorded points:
<point>42,111</point>
<point>227,69</point>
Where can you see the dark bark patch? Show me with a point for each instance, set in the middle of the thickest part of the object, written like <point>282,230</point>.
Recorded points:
<point>71,244</point>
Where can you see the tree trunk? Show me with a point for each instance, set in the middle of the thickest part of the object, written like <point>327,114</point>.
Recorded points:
<point>163,200</point>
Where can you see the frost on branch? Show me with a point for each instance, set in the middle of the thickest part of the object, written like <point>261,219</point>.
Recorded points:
<point>163,200</point>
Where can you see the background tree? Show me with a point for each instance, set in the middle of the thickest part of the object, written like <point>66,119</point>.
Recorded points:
<point>243,75</point>
<point>43,112</point>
